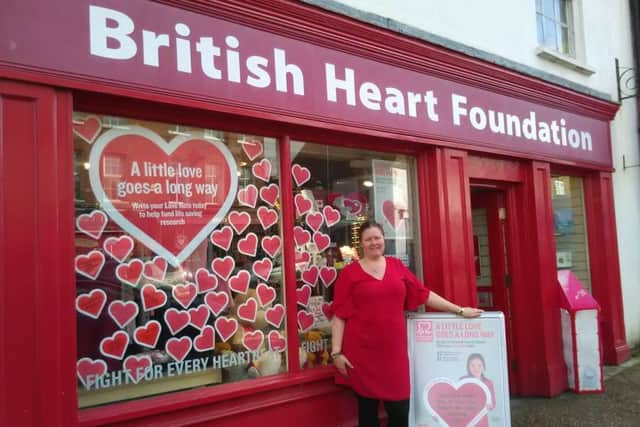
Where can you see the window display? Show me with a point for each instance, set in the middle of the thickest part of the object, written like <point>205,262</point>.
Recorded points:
<point>178,243</point>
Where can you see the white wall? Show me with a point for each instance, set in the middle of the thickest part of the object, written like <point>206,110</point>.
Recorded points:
<point>507,28</point>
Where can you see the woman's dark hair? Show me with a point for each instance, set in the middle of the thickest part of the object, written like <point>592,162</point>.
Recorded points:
<point>475,356</point>
<point>367,225</point>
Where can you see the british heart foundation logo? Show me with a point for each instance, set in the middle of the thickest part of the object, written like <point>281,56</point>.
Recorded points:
<point>168,195</point>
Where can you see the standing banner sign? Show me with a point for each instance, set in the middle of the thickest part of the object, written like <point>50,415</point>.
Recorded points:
<point>459,375</point>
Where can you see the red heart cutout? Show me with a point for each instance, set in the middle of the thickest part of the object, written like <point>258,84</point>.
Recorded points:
<point>147,335</point>
<point>152,298</point>
<point>239,221</point>
<point>305,320</point>
<point>263,268</point>
<point>302,260</point>
<point>198,316</point>
<point>118,248</point>
<point>266,294</point>
<point>274,315</point>
<point>89,370</point>
<point>391,213</point>
<point>222,238</point>
<point>354,206</point>
<point>159,180</point>
<point>130,272</point>
<point>328,275</point>
<point>271,245</point>
<point>88,128</point>
<point>240,282</point>
<point>262,170</point>
<point>226,327</point>
<point>92,224</point>
<point>176,320</point>
<point>277,342</point>
<point>156,269</point>
<point>205,281</point>
<point>252,341</point>
<point>90,265</point>
<point>301,236</point>
<point>216,301</point>
<point>123,312</point>
<point>322,241</point>
<point>184,294</point>
<point>310,275</point>
<point>303,294</point>
<point>223,267</point>
<point>269,194</point>
<point>178,348</point>
<point>457,404</point>
<point>331,216</point>
<point>300,174</point>
<point>137,366</point>
<point>248,196</point>
<point>247,311</point>
<point>248,245</point>
<point>267,217</point>
<point>253,149</point>
<point>91,304</point>
<point>314,220</point>
<point>206,340</point>
<point>115,345</point>
<point>327,309</point>
<point>303,205</point>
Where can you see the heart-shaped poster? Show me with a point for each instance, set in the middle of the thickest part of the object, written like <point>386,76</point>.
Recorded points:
<point>89,371</point>
<point>92,224</point>
<point>178,348</point>
<point>176,320</point>
<point>271,245</point>
<point>206,340</point>
<point>226,327</point>
<point>129,273</point>
<point>90,265</point>
<point>457,404</point>
<point>91,304</point>
<point>118,248</point>
<point>269,194</point>
<point>265,293</point>
<point>305,320</point>
<point>248,196</point>
<point>123,312</point>
<point>162,189</point>
<point>216,301</point>
<point>222,237</point>
<point>87,128</point>
<point>148,334</point>
<point>115,346</point>
<point>252,148</point>
<point>252,341</point>
<point>205,281</point>
<point>137,366</point>
<point>274,315</point>
<point>198,316</point>
<point>277,342</point>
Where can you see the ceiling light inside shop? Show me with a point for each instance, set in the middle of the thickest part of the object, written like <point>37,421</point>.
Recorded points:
<point>367,183</point>
<point>86,166</point>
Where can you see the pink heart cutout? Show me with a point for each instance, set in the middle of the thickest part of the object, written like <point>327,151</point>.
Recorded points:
<point>118,248</point>
<point>253,149</point>
<point>300,174</point>
<point>91,304</point>
<point>458,404</point>
<point>206,340</point>
<point>89,371</point>
<point>176,320</point>
<point>123,312</point>
<point>269,194</point>
<point>137,366</point>
<point>178,348</point>
<point>92,224</point>
<point>216,301</point>
<point>274,315</point>
<point>222,238</point>
<point>226,327</point>
<point>147,335</point>
<point>130,272</point>
<point>88,128</point>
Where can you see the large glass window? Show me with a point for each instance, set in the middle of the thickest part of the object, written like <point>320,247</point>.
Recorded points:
<point>178,263</point>
<point>570,227</point>
<point>337,189</point>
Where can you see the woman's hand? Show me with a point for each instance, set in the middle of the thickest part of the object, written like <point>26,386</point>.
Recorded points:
<point>470,312</point>
<point>341,362</point>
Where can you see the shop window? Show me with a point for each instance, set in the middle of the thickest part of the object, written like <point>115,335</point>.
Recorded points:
<point>570,227</point>
<point>555,25</point>
<point>336,190</point>
<point>179,272</point>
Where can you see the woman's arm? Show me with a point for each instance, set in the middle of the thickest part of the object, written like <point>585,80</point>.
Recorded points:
<point>435,301</point>
<point>339,360</point>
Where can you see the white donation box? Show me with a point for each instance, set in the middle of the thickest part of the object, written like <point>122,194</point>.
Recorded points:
<point>580,335</point>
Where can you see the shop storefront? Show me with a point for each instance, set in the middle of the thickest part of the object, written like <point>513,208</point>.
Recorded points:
<point>183,181</point>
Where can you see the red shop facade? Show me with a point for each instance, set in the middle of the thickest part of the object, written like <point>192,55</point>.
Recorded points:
<point>183,180</point>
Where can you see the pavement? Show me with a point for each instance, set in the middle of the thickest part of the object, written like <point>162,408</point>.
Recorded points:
<point>619,405</point>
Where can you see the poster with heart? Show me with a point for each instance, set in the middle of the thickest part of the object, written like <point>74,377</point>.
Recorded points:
<point>459,371</point>
<point>169,195</point>
<point>391,198</point>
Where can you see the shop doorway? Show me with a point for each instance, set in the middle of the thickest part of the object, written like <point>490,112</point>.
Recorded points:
<point>492,261</point>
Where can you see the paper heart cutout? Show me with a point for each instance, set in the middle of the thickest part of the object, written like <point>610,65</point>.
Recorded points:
<point>239,221</point>
<point>252,341</point>
<point>226,327</point>
<point>91,304</point>
<point>310,275</point>
<point>314,220</point>
<point>253,149</point>
<point>305,320</point>
<point>184,294</point>
<point>321,240</point>
<point>248,245</point>
<point>130,273</point>
<point>262,170</point>
<point>205,281</point>
<point>118,248</point>
<point>89,371</point>
<point>240,282</point>
<point>265,293</point>
<point>87,128</point>
<point>206,340</point>
<point>147,335</point>
<point>271,245</point>
<point>248,196</point>
<point>90,265</point>
<point>327,309</point>
<point>123,312</point>
<point>138,147</point>
<point>301,236</point>
<point>223,267</point>
<point>331,216</point>
<point>277,342</point>
<point>156,269</point>
<point>300,174</point>
<point>137,366</point>
<point>302,260</point>
<point>222,237</point>
<point>267,217</point>
<point>198,316</point>
<point>303,205</point>
<point>263,268</point>
<point>152,298</point>
<point>461,403</point>
<point>353,206</point>
<point>176,320</point>
<point>216,301</point>
<point>328,275</point>
<point>274,315</point>
<point>115,346</point>
<point>391,213</point>
<point>247,310</point>
<point>92,224</point>
<point>178,348</point>
<point>302,295</point>
<point>269,194</point>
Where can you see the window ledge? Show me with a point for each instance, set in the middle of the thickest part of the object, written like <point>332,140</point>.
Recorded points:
<point>566,61</point>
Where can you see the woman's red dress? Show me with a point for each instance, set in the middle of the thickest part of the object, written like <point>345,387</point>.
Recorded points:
<point>375,333</point>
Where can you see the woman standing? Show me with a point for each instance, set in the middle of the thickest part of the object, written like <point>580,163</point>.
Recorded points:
<point>369,337</point>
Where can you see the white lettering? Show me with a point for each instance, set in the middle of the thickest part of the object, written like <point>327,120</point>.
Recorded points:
<point>100,32</point>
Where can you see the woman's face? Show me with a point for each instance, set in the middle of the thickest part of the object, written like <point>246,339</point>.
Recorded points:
<point>476,367</point>
<point>372,242</point>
